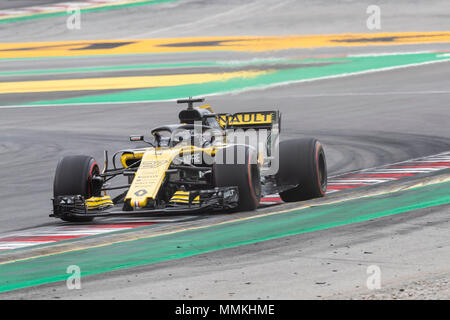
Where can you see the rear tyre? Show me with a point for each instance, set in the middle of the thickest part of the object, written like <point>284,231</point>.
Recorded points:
<point>242,172</point>
<point>73,176</point>
<point>302,164</point>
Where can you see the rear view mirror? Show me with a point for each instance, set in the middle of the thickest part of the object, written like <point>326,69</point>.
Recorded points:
<point>136,138</point>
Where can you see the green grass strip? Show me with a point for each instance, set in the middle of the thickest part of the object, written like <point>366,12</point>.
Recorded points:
<point>141,252</point>
<point>346,66</point>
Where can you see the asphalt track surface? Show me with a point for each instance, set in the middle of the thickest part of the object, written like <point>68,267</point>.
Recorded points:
<point>364,121</point>
<point>189,18</point>
<point>14,4</point>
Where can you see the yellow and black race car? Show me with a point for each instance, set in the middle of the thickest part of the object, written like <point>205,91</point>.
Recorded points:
<point>209,161</point>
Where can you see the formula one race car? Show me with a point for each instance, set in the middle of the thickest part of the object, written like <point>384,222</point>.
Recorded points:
<point>210,161</point>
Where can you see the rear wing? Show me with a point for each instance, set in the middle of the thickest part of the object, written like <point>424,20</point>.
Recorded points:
<point>264,137</point>
<point>249,120</point>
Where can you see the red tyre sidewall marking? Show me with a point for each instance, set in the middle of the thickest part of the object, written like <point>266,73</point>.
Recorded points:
<point>90,178</point>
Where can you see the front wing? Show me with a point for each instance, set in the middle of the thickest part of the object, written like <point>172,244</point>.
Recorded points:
<point>223,198</point>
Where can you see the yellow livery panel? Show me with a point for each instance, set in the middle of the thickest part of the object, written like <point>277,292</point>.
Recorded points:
<point>150,176</point>
<point>265,118</point>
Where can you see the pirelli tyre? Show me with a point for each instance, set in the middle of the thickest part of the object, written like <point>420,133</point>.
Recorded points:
<point>73,176</point>
<point>240,169</point>
<point>303,165</point>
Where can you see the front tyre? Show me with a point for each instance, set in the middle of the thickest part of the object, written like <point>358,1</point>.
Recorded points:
<point>73,176</point>
<point>303,165</point>
<point>241,171</point>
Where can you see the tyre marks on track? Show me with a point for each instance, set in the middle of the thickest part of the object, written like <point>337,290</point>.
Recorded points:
<point>390,172</point>
<point>348,181</point>
<point>62,7</point>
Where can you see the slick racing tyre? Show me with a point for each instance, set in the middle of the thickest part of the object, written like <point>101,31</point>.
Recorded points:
<point>74,177</point>
<point>303,165</point>
<point>241,171</point>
